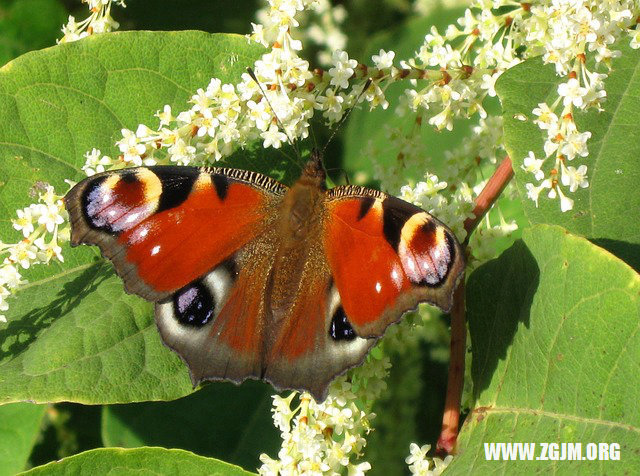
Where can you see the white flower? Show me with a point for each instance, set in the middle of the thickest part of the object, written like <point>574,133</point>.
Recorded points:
<point>10,277</point>
<point>165,116</point>
<point>359,469</point>
<point>208,124</point>
<point>532,165</point>
<point>23,253</point>
<point>273,137</point>
<point>489,83</point>
<point>635,39</point>
<point>95,162</point>
<point>383,59</point>
<point>575,143</point>
<point>443,120</point>
<point>48,250</point>
<point>4,305</point>
<point>131,147</point>
<point>417,453</point>
<point>566,203</point>
<point>24,222</point>
<point>282,413</point>
<point>332,104</point>
<point>50,216</point>
<point>547,119</point>
<point>574,178</point>
<point>342,70</point>
<point>201,100</point>
<point>533,191</point>
<point>375,96</point>
<point>572,93</point>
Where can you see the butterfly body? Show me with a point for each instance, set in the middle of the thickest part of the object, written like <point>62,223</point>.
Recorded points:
<point>252,279</point>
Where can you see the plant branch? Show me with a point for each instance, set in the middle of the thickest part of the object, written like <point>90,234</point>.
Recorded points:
<point>451,418</point>
<point>489,195</point>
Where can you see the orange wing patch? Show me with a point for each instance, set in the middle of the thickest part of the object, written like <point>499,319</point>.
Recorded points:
<point>367,271</point>
<point>176,246</point>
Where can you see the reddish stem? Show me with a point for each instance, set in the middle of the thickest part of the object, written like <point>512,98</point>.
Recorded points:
<point>451,418</point>
<point>489,194</point>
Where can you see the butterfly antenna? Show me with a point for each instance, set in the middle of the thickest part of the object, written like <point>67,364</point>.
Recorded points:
<point>278,121</point>
<point>346,115</point>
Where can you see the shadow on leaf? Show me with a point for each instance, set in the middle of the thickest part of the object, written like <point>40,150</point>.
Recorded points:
<point>22,331</point>
<point>499,297</point>
<point>221,420</point>
<point>627,252</point>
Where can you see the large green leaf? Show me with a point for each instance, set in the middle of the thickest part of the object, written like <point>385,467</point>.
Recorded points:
<point>19,427</point>
<point>605,210</point>
<point>72,333</point>
<point>554,325</point>
<point>221,421</point>
<point>116,461</point>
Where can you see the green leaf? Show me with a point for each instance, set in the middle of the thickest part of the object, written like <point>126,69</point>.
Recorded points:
<point>118,461</point>
<point>19,428</point>
<point>555,334</point>
<point>601,211</point>
<point>221,420</point>
<point>72,333</point>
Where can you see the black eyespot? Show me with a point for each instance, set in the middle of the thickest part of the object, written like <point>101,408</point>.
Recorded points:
<point>193,305</point>
<point>340,328</point>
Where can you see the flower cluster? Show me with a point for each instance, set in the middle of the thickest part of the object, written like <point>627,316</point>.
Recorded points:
<point>100,21</point>
<point>273,105</point>
<point>494,36</point>
<point>320,26</point>
<point>420,465</point>
<point>574,31</point>
<point>43,227</point>
<point>328,437</point>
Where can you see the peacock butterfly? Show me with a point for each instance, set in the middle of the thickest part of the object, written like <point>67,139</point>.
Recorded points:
<point>252,279</point>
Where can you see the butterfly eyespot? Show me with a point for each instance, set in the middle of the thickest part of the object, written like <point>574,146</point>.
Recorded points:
<point>193,305</point>
<point>340,328</point>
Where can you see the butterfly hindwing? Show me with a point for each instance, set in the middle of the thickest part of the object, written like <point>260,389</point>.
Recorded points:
<point>386,256</point>
<point>216,324</point>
